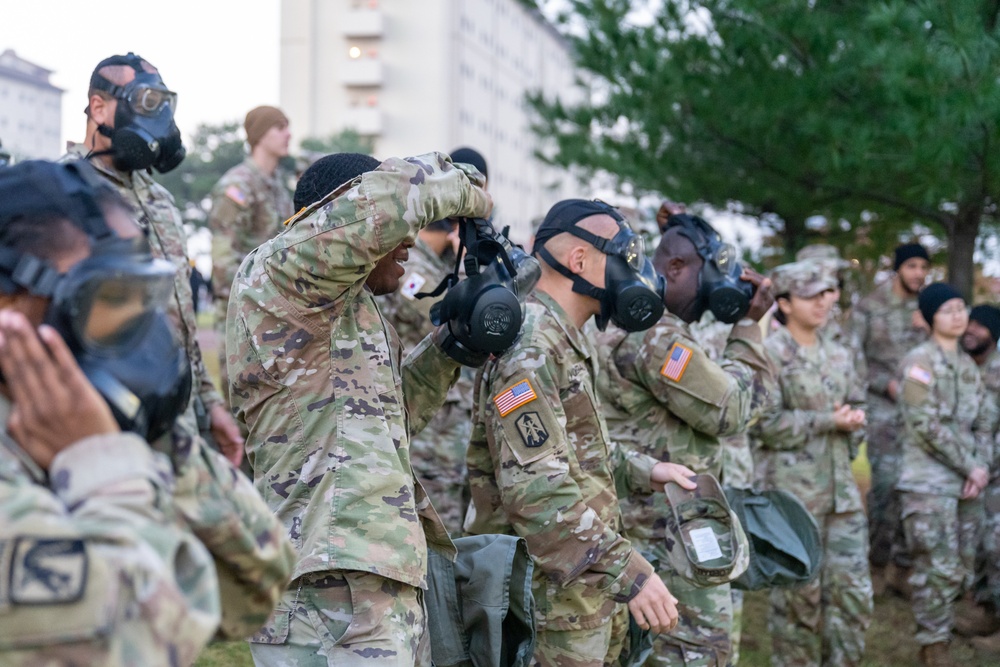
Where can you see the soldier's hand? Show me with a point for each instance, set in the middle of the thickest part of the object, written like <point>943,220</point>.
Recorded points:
<point>667,209</point>
<point>671,472</point>
<point>227,434</point>
<point>654,608</point>
<point>54,403</point>
<point>763,298</point>
<point>845,419</point>
<point>892,389</point>
<point>975,483</point>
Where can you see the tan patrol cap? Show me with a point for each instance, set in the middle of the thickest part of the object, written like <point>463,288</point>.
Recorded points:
<point>803,279</point>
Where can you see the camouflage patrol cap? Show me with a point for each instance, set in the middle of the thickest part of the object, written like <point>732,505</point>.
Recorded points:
<point>824,252</point>
<point>803,279</point>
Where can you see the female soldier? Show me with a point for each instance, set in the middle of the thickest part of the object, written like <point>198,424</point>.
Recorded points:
<point>806,437</point>
<point>946,450</point>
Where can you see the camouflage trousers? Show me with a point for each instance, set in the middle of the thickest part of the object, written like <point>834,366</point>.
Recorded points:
<point>437,455</point>
<point>737,633</point>
<point>824,621</point>
<point>987,584</point>
<point>594,647</point>
<point>343,618</point>
<point>701,637</point>
<point>737,472</point>
<point>885,530</point>
<point>943,535</point>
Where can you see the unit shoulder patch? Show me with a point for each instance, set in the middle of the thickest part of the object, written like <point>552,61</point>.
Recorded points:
<point>47,571</point>
<point>532,430</point>
<point>676,362</point>
<point>511,399</point>
<point>412,285</point>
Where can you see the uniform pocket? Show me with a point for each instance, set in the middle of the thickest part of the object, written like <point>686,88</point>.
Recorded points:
<point>275,631</point>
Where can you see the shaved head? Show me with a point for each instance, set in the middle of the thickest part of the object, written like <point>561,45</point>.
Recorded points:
<point>562,244</point>
<point>120,75</point>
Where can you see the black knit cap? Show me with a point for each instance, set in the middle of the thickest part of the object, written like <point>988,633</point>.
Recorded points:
<point>327,174</point>
<point>989,317</point>
<point>467,155</point>
<point>933,297</point>
<point>909,251</point>
<point>567,213</point>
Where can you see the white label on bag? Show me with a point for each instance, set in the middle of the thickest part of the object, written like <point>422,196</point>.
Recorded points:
<point>706,544</point>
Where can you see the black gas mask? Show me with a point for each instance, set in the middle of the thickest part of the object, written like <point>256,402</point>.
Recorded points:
<point>720,288</point>
<point>144,134</point>
<point>109,307</point>
<point>485,310</point>
<point>632,297</point>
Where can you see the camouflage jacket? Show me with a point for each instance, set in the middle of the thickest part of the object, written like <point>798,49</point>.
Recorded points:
<point>95,564</point>
<point>797,447</point>
<point>947,424</point>
<point>541,466</point>
<point>317,378</point>
<point>990,372</point>
<point>663,396</point>
<point>248,208</point>
<point>881,326</point>
<point>158,216</point>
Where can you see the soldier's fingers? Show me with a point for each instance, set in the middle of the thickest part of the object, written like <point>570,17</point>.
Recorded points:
<point>640,618</point>
<point>63,361</point>
<point>25,361</point>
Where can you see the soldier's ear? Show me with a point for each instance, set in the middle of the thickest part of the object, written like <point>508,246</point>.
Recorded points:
<point>101,110</point>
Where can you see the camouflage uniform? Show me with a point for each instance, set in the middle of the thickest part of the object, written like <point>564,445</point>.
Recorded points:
<point>96,567</point>
<point>248,208</point>
<point>882,329</point>
<point>253,559</point>
<point>678,413</point>
<point>317,377</point>
<point>438,452</point>
<point>947,433</point>
<point>799,450</point>
<point>541,466</point>
<point>988,562</point>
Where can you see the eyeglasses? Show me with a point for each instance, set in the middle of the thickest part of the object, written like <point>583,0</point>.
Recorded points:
<point>954,310</point>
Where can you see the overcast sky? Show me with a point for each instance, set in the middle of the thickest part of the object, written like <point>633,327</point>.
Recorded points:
<point>220,56</point>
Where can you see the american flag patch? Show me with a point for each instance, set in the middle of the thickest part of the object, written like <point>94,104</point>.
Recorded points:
<point>236,195</point>
<point>514,398</point>
<point>676,363</point>
<point>921,375</point>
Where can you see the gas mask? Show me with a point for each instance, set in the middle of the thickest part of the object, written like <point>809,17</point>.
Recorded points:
<point>632,297</point>
<point>109,307</point>
<point>484,311</point>
<point>720,288</point>
<point>144,134</point>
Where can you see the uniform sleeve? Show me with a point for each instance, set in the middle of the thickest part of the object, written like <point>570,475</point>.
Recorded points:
<point>781,427</point>
<point>428,375</point>
<point>858,334</point>
<point>253,557</point>
<point>985,425</point>
<point>99,548</point>
<point>923,416</point>
<point>542,501</point>
<point>333,251</point>
<point>226,218</point>
<point>714,398</point>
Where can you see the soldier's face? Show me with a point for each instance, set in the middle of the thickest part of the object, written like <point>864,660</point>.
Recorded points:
<point>952,318</point>
<point>388,273</point>
<point>977,338</point>
<point>275,141</point>
<point>913,274</point>
<point>807,312</point>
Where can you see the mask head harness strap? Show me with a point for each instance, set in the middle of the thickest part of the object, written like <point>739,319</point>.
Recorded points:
<point>563,218</point>
<point>99,82</point>
<point>478,247</point>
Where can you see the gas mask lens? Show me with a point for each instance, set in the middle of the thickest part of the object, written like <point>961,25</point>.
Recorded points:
<point>635,254</point>
<point>147,100</point>
<point>724,257</point>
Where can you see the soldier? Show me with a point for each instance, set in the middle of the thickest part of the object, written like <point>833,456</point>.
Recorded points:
<point>130,129</point>
<point>946,449</point>
<point>884,326</point>
<point>805,440</point>
<point>541,464</point>
<point>93,522</point>
<point>330,407</point>
<point>249,203</point>
<point>679,413</point>
<point>829,258</point>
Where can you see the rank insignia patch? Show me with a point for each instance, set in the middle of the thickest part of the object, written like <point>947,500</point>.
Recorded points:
<point>47,571</point>
<point>921,375</point>
<point>532,429</point>
<point>676,363</point>
<point>510,400</point>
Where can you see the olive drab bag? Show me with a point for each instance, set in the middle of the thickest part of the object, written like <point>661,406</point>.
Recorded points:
<point>785,547</point>
<point>705,542</point>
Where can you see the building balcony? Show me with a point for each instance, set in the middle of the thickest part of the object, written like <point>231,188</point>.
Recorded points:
<point>362,23</point>
<point>362,72</point>
<point>364,120</point>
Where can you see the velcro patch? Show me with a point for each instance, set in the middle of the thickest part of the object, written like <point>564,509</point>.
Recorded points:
<point>520,394</point>
<point>532,430</point>
<point>236,195</point>
<point>921,375</point>
<point>676,363</point>
<point>47,571</point>
<point>412,285</point>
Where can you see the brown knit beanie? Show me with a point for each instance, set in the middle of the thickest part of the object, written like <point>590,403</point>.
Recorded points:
<point>260,120</point>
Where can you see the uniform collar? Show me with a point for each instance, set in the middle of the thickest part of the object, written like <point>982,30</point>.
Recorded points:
<point>576,337</point>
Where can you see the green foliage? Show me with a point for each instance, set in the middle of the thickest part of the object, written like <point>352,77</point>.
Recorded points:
<point>881,113</point>
<point>345,141</point>
<point>215,150</point>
